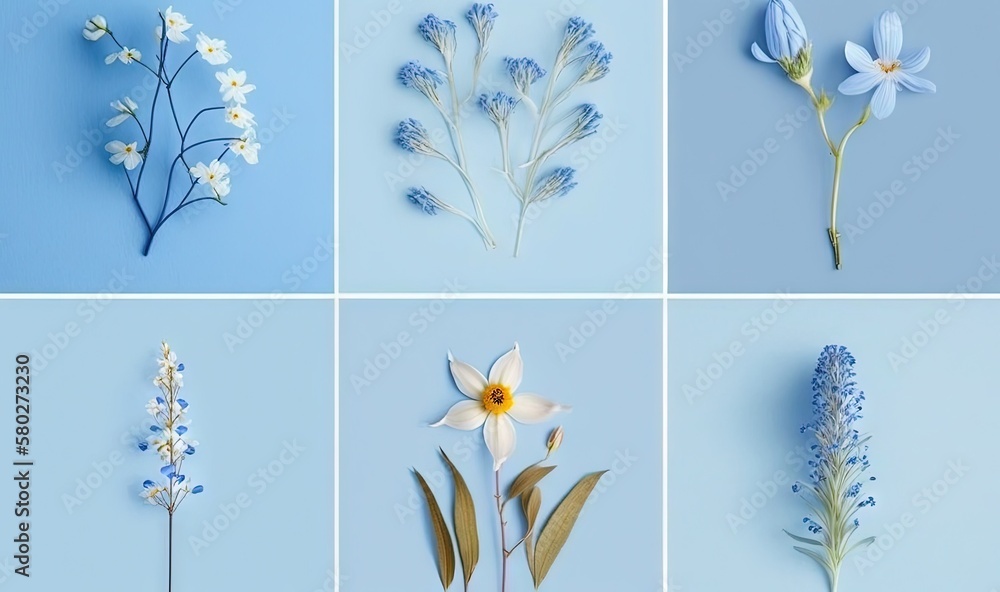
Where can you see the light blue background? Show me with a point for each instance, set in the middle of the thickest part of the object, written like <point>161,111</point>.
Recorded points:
<point>771,234</point>
<point>583,242</point>
<point>938,408</point>
<point>614,382</point>
<point>245,404</point>
<point>69,235</point>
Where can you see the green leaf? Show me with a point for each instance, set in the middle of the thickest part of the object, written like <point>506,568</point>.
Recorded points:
<point>860,544</point>
<point>817,558</point>
<point>445,550</point>
<point>531,502</point>
<point>466,531</point>
<point>803,539</point>
<point>527,479</point>
<point>560,524</point>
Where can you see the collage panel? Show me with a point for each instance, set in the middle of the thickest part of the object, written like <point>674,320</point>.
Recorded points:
<point>753,179</point>
<point>133,422</point>
<point>883,408</point>
<point>572,384</point>
<point>554,154</point>
<point>212,175</point>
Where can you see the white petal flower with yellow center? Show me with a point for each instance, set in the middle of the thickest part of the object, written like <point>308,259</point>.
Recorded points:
<point>240,117</point>
<point>125,56</point>
<point>177,23</point>
<point>125,110</point>
<point>494,402</point>
<point>234,86</point>
<point>212,50</point>
<point>122,153</point>
<point>247,147</point>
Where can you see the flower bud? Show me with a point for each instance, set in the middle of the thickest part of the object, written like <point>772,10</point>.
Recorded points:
<point>95,28</point>
<point>555,440</point>
<point>787,41</point>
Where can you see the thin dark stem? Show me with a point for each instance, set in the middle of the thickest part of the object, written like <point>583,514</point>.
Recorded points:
<point>177,122</point>
<point>170,554</point>
<point>174,77</point>
<point>156,96</point>
<point>140,62</point>
<point>196,116</point>
<point>135,198</point>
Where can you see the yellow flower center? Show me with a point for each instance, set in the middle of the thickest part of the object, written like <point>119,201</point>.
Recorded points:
<point>211,49</point>
<point>890,67</point>
<point>128,149</point>
<point>497,399</point>
<point>234,84</point>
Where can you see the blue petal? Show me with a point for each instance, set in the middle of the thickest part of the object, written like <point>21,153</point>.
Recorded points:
<point>796,29</point>
<point>859,84</point>
<point>884,99</point>
<point>859,58</point>
<point>916,83</point>
<point>143,446</point>
<point>182,430</point>
<point>181,478</point>
<point>189,451</point>
<point>915,61</point>
<point>771,18</point>
<point>182,403</point>
<point>180,367</point>
<point>167,470</point>
<point>160,401</point>
<point>780,32</point>
<point>154,428</point>
<point>760,55</point>
<point>147,484</point>
<point>198,489</point>
<point>888,36</point>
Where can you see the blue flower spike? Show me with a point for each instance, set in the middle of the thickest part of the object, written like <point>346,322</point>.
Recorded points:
<point>891,72</point>
<point>839,459</point>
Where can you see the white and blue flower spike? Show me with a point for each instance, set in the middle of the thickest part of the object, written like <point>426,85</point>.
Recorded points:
<point>787,42</point>
<point>839,461</point>
<point>890,72</point>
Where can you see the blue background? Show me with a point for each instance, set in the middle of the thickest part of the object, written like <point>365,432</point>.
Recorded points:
<point>614,382</point>
<point>583,242</point>
<point>246,403</point>
<point>69,234</point>
<point>771,234</point>
<point>937,408</point>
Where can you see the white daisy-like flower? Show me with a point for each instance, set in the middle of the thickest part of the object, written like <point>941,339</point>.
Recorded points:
<point>246,146</point>
<point>214,175</point>
<point>125,56</point>
<point>177,23</point>
<point>125,110</point>
<point>234,86</point>
<point>212,50</point>
<point>240,117</point>
<point>122,153</point>
<point>494,402</point>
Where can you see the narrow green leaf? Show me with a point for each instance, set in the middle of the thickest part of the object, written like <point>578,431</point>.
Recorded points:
<point>817,558</point>
<point>803,539</point>
<point>860,544</point>
<point>445,550</point>
<point>560,524</point>
<point>531,502</point>
<point>527,479</point>
<point>466,531</point>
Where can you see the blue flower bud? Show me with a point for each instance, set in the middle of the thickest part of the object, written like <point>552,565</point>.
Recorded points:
<point>787,41</point>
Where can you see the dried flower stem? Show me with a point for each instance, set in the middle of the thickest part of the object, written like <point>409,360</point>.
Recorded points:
<point>504,553</point>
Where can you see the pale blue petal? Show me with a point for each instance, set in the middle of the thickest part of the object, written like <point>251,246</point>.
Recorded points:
<point>915,61</point>
<point>859,84</point>
<point>784,49</point>
<point>916,83</point>
<point>884,99</point>
<point>771,19</point>
<point>797,36</point>
<point>859,58</point>
<point>760,55</point>
<point>888,36</point>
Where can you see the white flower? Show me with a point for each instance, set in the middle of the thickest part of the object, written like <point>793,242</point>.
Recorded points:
<point>494,402</point>
<point>177,23</point>
<point>154,407</point>
<point>125,110</point>
<point>246,146</point>
<point>234,86</point>
<point>212,50</point>
<point>95,28</point>
<point>213,175</point>
<point>125,56</point>
<point>124,153</point>
<point>240,117</point>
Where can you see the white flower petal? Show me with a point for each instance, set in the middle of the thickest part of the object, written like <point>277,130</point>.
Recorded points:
<point>118,120</point>
<point>508,370</point>
<point>884,99</point>
<point>464,415</point>
<point>760,55</point>
<point>115,146</point>
<point>859,84</point>
<point>888,36</point>
<point>916,83</point>
<point>529,408</point>
<point>915,61</point>
<point>468,380</point>
<point>111,59</point>
<point>859,58</point>
<point>500,438</point>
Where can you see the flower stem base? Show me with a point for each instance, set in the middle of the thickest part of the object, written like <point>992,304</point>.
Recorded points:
<point>835,243</point>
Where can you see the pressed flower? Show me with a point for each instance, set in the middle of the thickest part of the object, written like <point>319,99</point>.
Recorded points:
<point>890,72</point>
<point>214,175</point>
<point>212,51</point>
<point>412,136</point>
<point>577,31</point>
<point>125,56</point>
<point>177,23</point>
<point>441,34</point>
<point>498,107</point>
<point>838,465</point>
<point>425,80</point>
<point>494,402</point>
<point>240,117</point>
<point>122,153</point>
<point>234,86</point>
<point>787,41</point>
<point>247,147</point>
<point>95,28</point>
<point>524,72</point>
<point>558,183</point>
<point>597,63</point>
<point>482,17</point>
<point>125,108</point>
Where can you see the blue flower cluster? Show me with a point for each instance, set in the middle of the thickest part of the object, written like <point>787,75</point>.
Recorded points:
<point>524,72</point>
